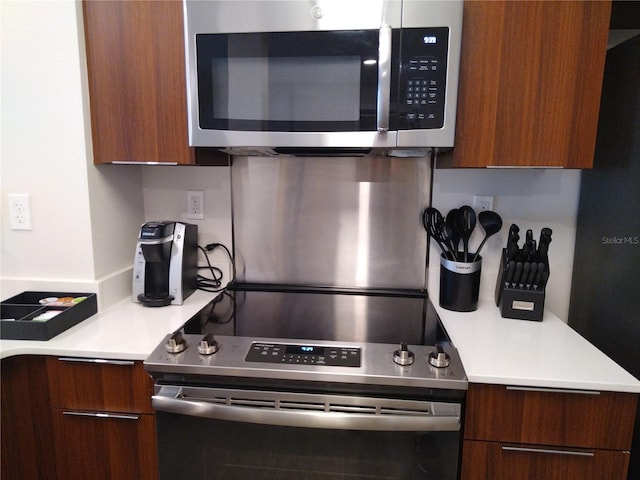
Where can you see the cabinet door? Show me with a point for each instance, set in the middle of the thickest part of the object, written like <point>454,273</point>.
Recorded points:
<point>105,446</point>
<point>530,81</point>
<point>116,386</point>
<point>27,427</point>
<point>135,61</point>
<point>602,420</point>
<point>496,461</point>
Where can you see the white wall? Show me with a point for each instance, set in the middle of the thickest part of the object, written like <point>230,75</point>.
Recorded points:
<point>530,198</point>
<point>165,198</point>
<point>81,214</point>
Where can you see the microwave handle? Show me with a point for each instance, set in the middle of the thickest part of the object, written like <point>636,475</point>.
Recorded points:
<point>384,79</point>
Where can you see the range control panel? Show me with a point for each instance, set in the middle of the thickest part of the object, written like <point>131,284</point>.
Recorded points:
<point>298,354</point>
<point>423,78</point>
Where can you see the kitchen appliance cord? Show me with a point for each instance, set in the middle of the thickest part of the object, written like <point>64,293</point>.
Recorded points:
<point>213,284</point>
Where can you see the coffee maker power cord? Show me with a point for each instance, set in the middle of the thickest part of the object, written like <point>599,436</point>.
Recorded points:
<point>213,284</point>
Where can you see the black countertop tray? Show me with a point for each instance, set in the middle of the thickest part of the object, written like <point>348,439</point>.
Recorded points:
<point>27,316</point>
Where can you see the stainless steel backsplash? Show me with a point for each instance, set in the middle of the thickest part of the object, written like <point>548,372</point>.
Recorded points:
<point>331,221</point>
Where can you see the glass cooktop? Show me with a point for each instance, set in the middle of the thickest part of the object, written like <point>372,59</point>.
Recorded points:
<point>312,313</point>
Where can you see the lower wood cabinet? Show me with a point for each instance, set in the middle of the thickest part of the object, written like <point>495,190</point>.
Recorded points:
<point>500,461</point>
<point>534,433</point>
<point>76,418</point>
<point>101,445</point>
<point>27,429</point>
<point>104,427</point>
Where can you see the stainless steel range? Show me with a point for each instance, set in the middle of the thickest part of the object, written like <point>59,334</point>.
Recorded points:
<point>322,360</point>
<point>273,383</point>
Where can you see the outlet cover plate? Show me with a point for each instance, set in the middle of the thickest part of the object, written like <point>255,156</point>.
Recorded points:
<point>195,204</point>
<point>20,211</point>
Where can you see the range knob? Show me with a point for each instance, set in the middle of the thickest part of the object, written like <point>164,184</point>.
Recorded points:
<point>208,345</point>
<point>439,358</point>
<point>403,356</point>
<point>176,343</point>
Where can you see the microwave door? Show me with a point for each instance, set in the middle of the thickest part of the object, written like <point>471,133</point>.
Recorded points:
<point>319,88</point>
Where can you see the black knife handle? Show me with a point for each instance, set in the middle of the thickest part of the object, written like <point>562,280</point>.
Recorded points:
<point>525,274</point>
<point>511,268</point>
<point>538,280</point>
<point>518,273</point>
<point>532,275</point>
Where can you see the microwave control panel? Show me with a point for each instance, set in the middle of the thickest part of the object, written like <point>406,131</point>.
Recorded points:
<point>423,76</point>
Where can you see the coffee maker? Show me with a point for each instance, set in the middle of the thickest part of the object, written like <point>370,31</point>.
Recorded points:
<point>165,266</point>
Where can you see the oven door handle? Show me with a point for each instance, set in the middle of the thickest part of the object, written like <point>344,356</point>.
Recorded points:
<point>168,400</point>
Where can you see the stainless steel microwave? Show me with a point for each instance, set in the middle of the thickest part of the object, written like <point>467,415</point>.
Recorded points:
<point>298,75</point>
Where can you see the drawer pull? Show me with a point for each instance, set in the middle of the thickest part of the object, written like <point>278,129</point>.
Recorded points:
<point>553,390</point>
<point>101,361</point>
<point>118,416</point>
<point>545,450</point>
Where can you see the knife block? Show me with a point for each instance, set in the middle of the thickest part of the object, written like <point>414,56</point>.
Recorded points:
<point>515,302</point>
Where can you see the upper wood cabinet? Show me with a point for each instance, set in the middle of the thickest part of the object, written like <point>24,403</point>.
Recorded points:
<point>135,60</point>
<point>530,81</point>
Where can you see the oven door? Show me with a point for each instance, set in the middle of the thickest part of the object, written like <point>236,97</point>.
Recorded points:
<point>207,433</point>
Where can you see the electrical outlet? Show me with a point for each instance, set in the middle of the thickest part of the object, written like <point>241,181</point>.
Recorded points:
<point>20,211</point>
<point>483,202</point>
<point>195,205</point>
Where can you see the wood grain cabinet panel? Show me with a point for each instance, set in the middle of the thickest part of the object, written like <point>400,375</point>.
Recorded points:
<point>531,433</point>
<point>546,417</point>
<point>497,461</point>
<point>27,428</point>
<point>530,82</point>
<point>103,447</point>
<point>137,87</point>
<point>78,383</point>
<point>104,427</point>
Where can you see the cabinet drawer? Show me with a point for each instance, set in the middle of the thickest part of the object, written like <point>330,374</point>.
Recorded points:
<point>550,417</point>
<point>497,461</point>
<point>109,386</point>
<point>105,447</point>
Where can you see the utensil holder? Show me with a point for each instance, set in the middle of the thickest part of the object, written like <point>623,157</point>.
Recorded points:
<point>460,284</point>
<point>515,302</point>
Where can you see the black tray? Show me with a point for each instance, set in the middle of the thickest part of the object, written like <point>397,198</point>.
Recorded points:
<point>20,314</point>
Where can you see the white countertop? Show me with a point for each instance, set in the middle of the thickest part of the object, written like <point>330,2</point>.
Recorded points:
<point>537,354</point>
<point>125,331</point>
<point>493,349</point>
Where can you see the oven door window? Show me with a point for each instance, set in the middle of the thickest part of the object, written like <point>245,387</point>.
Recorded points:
<point>202,449</point>
<point>288,81</point>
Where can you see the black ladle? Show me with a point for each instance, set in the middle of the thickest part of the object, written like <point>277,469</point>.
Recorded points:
<point>491,222</point>
<point>465,223</point>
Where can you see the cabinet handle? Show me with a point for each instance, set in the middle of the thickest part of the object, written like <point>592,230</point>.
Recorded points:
<point>119,416</point>
<point>545,450</point>
<point>101,361</point>
<point>129,162</point>
<point>553,390</point>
